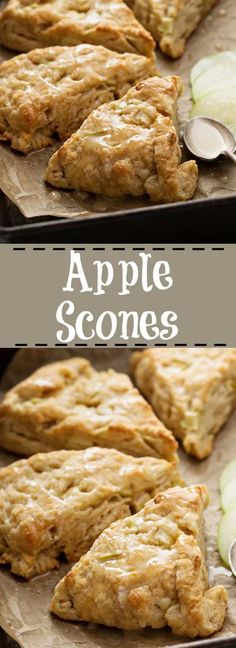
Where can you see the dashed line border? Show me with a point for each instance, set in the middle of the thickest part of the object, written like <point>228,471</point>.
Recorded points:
<point>117,248</point>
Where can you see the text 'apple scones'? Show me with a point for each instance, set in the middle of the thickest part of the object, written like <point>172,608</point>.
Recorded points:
<point>193,391</point>
<point>26,24</point>
<point>171,22</point>
<point>148,571</point>
<point>70,405</point>
<point>129,146</point>
<point>61,501</point>
<point>49,92</point>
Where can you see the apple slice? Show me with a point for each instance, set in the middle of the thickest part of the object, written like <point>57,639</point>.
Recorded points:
<point>227,475</point>
<point>206,63</point>
<point>218,77</point>
<point>228,496</point>
<point>212,69</point>
<point>219,106</point>
<point>227,534</point>
<point>213,81</point>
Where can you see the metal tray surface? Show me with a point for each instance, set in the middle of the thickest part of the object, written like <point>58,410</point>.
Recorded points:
<point>205,221</point>
<point>210,217</point>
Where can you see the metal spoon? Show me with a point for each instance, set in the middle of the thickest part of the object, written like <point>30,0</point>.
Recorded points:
<point>232,557</point>
<point>208,138</point>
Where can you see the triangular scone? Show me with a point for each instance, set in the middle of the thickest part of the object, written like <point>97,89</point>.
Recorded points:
<point>193,391</point>
<point>147,571</point>
<point>129,146</point>
<point>61,501</point>
<point>171,22</point>
<point>26,24</point>
<point>70,405</point>
<point>49,92</point>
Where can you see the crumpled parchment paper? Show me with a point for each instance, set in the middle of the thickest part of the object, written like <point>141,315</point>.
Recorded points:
<point>24,606</point>
<point>21,177</point>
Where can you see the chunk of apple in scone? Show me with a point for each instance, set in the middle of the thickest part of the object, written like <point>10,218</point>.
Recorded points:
<point>148,570</point>
<point>171,22</point>
<point>193,391</point>
<point>129,146</point>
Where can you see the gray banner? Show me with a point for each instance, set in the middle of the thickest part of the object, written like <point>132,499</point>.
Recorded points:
<point>117,295</point>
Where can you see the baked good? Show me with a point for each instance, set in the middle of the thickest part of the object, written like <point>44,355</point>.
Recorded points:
<point>171,22</point>
<point>26,24</point>
<point>70,405</point>
<point>129,146</point>
<point>147,570</point>
<point>193,391</point>
<point>48,92</point>
<point>81,491</point>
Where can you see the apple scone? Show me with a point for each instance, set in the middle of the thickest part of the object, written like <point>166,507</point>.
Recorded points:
<point>70,405</point>
<point>128,146</point>
<point>27,24</point>
<point>193,391</point>
<point>49,92</point>
<point>59,502</point>
<point>171,22</point>
<point>148,570</point>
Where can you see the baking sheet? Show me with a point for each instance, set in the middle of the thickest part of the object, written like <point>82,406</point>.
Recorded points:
<point>22,176</point>
<point>24,606</point>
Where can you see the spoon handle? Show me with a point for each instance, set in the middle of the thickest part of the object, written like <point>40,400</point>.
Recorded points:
<point>230,155</point>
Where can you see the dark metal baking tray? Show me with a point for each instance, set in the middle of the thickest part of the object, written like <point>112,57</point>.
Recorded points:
<point>209,221</point>
<point>8,642</point>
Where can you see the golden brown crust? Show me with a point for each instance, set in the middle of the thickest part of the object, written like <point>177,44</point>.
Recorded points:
<point>148,571</point>
<point>70,405</point>
<point>171,22</point>
<point>27,24</point>
<point>129,146</point>
<point>193,391</point>
<point>49,92</point>
<point>43,497</point>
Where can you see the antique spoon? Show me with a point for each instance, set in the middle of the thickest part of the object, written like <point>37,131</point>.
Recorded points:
<point>208,138</point>
<point>232,557</point>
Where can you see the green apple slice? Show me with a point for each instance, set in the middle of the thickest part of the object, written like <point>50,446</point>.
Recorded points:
<point>219,106</point>
<point>208,62</point>
<point>213,81</point>
<point>214,72</point>
<point>227,534</point>
<point>227,475</point>
<point>219,77</point>
<point>228,496</point>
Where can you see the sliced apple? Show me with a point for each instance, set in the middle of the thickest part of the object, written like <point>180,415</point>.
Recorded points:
<point>206,63</point>
<point>218,77</point>
<point>227,534</point>
<point>213,81</point>
<point>227,475</point>
<point>228,496</point>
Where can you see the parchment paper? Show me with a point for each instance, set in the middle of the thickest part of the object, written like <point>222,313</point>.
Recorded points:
<point>21,177</point>
<point>24,606</point>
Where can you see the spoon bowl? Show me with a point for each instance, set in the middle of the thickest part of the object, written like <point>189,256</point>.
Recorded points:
<point>207,139</point>
<point>232,557</point>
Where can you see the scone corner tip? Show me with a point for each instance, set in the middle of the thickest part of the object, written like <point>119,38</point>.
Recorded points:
<point>132,568</point>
